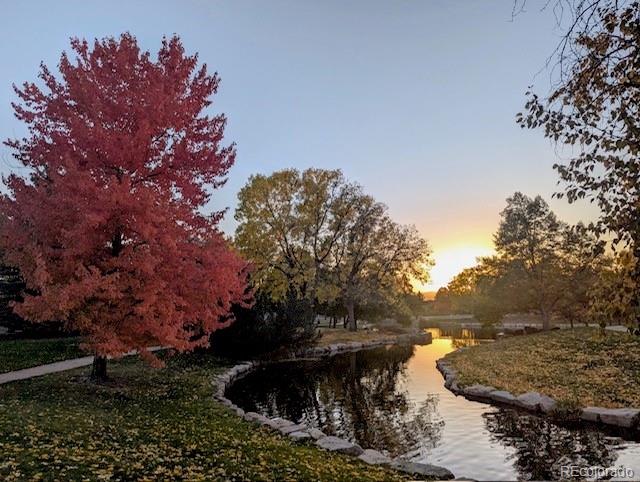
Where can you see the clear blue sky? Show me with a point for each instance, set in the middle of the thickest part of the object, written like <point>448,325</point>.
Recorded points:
<point>414,99</point>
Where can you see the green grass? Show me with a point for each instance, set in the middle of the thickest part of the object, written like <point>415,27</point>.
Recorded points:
<point>18,354</point>
<point>149,424</point>
<point>330,336</point>
<point>576,367</point>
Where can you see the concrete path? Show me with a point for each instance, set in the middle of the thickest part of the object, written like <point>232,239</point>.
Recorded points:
<point>45,369</point>
<point>56,367</point>
<point>617,328</point>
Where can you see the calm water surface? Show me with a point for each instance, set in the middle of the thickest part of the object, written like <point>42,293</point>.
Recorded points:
<point>393,399</point>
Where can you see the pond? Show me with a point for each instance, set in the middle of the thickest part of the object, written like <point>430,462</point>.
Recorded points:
<point>392,399</point>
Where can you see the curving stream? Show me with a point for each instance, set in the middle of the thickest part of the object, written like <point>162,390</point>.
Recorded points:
<point>393,399</point>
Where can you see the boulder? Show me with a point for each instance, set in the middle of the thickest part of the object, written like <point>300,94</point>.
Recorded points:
<point>590,414</point>
<point>374,457</point>
<point>256,417</point>
<point>621,417</point>
<point>427,470</point>
<point>278,423</point>
<point>477,390</point>
<point>454,388</point>
<point>535,401</point>
<point>335,444</point>
<point>450,374</point>
<point>502,396</point>
<point>316,434</point>
<point>299,436</point>
<point>547,404</point>
<point>298,427</point>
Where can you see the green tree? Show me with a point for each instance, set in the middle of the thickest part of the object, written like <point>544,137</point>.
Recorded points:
<point>377,257</point>
<point>529,238</point>
<point>541,265</point>
<point>581,263</point>
<point>313,236</point>
<point>611,297</point>
<point>483,290</point>
<point>288,224</point>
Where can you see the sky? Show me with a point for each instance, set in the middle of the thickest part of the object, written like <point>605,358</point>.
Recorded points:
<point>413,99</point>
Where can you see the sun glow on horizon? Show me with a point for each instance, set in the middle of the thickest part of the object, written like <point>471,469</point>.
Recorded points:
<point>450,261</point>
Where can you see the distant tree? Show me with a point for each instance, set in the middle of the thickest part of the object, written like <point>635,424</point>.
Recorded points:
<point>377,256</point>
<point>107,230</point>
<point>581,264</point>
<point>442,301</point>
<point>541,265</point>
<point>484,291</point>
<point>611,296</point>
<point>593,110</point>
<point>529,238</point>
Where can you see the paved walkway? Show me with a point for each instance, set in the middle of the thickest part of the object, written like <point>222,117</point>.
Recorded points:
<point>618,328</point>
<point>56,367</point>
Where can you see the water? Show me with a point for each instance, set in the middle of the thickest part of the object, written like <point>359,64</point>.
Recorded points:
<point>392,399</point>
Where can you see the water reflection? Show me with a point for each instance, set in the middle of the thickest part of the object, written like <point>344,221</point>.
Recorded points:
<point>461,336</point>
<point>393,399</point>
<point>359,396</point>
<point>542,447</point>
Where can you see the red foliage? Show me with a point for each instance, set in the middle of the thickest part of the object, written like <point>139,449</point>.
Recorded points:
<point>108,231</point>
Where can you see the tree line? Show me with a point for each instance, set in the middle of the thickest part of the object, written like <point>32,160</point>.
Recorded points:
<point>319,245</point>
<point>543,266</point>
<point>108,233</point>
<point>588,272</point>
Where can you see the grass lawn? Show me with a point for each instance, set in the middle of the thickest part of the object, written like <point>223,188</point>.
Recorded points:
<point>329,336</point>
<point>578,367</point>
<point>149,424</point>
<point>18,354</point>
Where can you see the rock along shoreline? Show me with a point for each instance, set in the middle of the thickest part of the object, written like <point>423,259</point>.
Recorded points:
<point>626,418</point>
<point>300,432</point>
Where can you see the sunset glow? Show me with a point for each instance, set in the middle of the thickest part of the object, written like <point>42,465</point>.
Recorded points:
<point>450,261</point>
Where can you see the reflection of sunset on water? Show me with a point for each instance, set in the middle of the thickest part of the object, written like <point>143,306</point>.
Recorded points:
<point>393,399</point>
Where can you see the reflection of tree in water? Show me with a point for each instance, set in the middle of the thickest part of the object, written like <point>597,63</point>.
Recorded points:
<point>542,446</point>
<point>365,400</point>
<point>357,396</point>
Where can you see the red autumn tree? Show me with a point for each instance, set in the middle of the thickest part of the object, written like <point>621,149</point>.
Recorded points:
<point>107,230</point>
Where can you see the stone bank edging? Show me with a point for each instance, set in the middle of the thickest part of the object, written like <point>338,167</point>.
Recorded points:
<point>300,432</point>
<point>628,418</point>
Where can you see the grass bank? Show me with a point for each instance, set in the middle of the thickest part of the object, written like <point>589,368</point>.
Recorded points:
<point>330,336</point>
<point>149,424</point>
<point>578,367</point>
<point>18,354</point>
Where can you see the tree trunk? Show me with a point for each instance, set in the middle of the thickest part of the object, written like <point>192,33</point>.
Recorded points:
<point>546,320</point>
<point>635,301</point>
<point>99,369</point>
<point>353,324</point>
